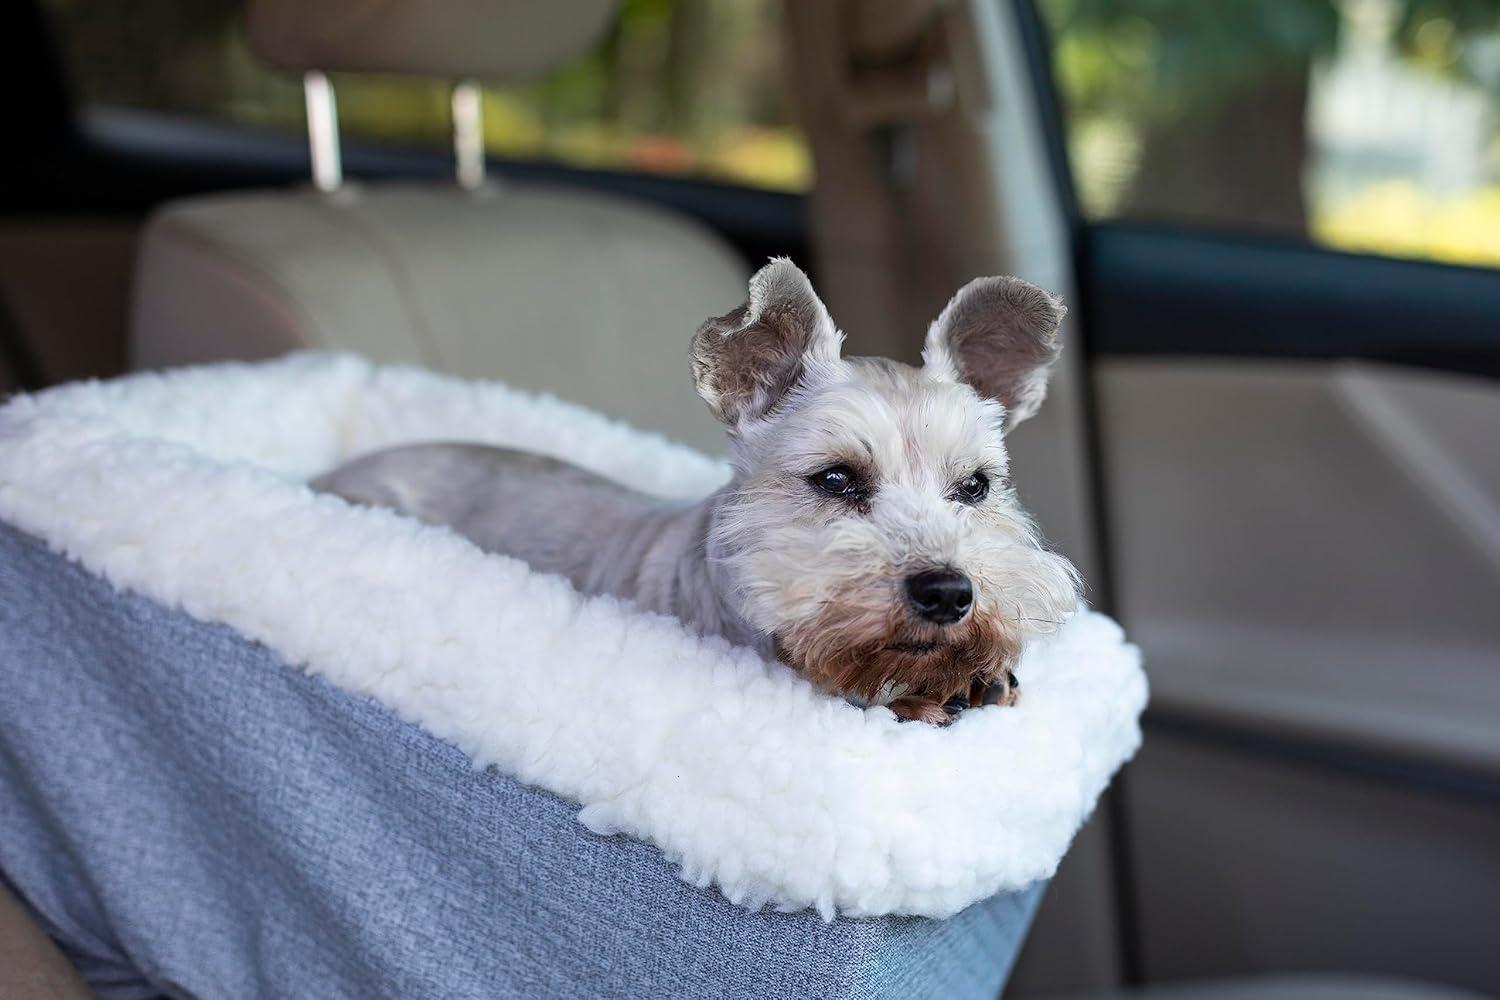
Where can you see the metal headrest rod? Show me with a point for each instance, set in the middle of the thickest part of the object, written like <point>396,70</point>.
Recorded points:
<point>468,134</point>
<point>323,132</point>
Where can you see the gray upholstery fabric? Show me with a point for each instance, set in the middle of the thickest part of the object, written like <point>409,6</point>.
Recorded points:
<point>589,297</point>
<point>188,815</point>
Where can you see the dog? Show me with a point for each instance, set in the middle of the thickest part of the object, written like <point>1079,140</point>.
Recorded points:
<point>869,536</point>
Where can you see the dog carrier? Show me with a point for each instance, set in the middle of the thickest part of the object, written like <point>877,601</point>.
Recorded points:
<point>257,741</point>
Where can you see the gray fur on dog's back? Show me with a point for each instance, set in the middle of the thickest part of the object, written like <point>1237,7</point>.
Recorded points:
<point>557,517</point>
<point>535,508</point>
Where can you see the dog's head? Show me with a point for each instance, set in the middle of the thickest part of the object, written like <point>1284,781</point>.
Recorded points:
<point>871,529</point>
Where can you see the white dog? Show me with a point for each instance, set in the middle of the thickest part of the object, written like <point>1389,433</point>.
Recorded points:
<point>869,536</point>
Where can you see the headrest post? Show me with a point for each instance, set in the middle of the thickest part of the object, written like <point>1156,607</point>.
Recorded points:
<point>323,131</point>
<point>468,134</point>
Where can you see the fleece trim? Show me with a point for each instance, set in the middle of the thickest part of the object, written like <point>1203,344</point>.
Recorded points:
<point>188,487</point>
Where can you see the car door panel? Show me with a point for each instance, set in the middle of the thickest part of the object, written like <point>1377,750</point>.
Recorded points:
<point>1303,542</point>
<point>1252,862</point>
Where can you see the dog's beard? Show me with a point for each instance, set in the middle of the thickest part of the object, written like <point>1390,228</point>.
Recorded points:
<point>872,655</point>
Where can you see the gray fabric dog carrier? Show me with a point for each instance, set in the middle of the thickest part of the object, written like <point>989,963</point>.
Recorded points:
<point>255,741</point>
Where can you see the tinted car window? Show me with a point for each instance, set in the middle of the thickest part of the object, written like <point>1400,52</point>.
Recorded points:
<point>1364,125</point>
<point>689,87</point>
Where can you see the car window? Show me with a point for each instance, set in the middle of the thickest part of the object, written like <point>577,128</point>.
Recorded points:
<point>688,87</point>
<point>1363,125</point>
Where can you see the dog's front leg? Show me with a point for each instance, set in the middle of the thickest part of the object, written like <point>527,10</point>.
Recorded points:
<point>919,708</point>
<point>1003,690</point>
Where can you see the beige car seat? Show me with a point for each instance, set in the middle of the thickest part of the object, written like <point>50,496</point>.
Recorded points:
<point>587,296</point>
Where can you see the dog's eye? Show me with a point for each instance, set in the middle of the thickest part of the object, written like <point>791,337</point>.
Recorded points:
<point>838,481</point>
<point>973,489</point>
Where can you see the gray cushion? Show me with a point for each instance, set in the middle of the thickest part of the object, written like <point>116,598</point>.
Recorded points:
<point>188,815</point>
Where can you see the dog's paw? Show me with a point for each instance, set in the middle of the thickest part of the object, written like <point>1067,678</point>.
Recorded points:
<point>915,708</point>
<point>1003,691</point>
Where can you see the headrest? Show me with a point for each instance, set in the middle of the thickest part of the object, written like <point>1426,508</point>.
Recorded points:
<point>508,41</point>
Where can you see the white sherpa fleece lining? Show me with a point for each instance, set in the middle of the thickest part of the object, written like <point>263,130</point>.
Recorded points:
<point>188,488</point>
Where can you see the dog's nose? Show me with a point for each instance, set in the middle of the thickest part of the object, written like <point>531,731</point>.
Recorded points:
<point>943,596</point>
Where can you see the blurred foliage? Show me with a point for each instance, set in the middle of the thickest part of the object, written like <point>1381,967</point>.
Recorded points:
<point>1194,112</point>
<point>1431,32</point>
<point>1166,58</point>
<point>674,86</point>
<point>1398,218</point>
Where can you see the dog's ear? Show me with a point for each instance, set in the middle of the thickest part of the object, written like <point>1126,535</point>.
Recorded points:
<point>745,361</point>
<point>1000,336</point>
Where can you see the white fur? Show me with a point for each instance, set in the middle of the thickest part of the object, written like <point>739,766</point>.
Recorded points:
<point>188,488</point>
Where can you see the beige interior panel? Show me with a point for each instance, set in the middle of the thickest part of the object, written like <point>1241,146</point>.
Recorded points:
<point>1303,547</point>
<point>1252,864</point>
